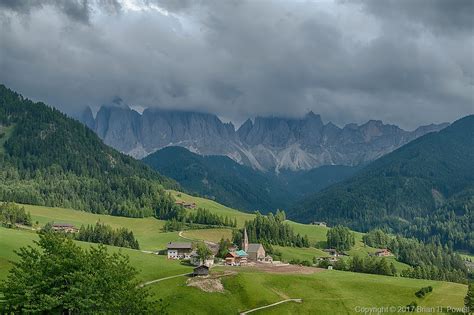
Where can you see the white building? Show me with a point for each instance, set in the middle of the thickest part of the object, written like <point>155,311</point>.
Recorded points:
<point>179,250</point>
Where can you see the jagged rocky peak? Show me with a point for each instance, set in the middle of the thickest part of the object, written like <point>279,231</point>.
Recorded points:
<point>266,143</point>
<point>311,116</point>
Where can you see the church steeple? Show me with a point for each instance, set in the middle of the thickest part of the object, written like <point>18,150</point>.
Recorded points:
<point>245,241</point>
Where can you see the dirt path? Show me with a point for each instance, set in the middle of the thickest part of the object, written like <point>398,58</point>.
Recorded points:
<point>162,279</point>
<point>271,305</point>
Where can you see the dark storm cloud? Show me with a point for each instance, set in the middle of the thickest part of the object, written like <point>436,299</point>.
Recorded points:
<point>439,15</point>
<point>403,62</point>
<point>78,10</point>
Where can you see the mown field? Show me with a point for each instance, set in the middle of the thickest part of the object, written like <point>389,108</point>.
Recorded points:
<point>328,292</point>
<point>148,231</point>
<point>150,266</point>
<point>214,207</point>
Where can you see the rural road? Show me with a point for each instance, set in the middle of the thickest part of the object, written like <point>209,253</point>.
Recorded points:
<point>271,305</point>
<point>162,279</point>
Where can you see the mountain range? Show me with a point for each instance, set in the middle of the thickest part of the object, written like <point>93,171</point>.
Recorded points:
<point>265,143</point>
<point>228,182</point>
<point>423,189</point>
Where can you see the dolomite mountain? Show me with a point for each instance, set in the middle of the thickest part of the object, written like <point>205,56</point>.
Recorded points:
<point>266,143</point>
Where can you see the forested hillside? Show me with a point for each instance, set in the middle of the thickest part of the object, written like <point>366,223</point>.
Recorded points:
<point>49,159</point>
<point>424,189</point>
<point>239,186</point>
<point>219,178</point>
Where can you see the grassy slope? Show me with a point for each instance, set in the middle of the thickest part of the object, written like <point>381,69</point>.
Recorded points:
<point>316,234</point>
<point>212,235</point>
<point>146,230</point>
<point>214,207</point>
<point>150,266</point>
<point>149,234</point>
<point>334,292</point>
<point>330,292</point>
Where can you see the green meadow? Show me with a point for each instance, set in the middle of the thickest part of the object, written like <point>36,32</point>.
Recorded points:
<point>148,231</point>
<point>151,266</point>
<point>327,292</point>
<point>214,207</point>
<point>150,235</point>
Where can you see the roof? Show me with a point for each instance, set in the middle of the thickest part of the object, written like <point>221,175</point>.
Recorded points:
<point>62,225</point>
<point>176,245</point>
<point>254,248</point>
<point>231,254</point>
<point>241,253</point>
<point>201,267</point>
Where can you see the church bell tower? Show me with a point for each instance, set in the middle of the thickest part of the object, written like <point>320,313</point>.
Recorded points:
<point>245,241</point>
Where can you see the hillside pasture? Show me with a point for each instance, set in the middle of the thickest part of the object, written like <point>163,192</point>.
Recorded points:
<point>214,207</point>
<point>151,266</point>
<point>330,292</point>
<point>148,231</point>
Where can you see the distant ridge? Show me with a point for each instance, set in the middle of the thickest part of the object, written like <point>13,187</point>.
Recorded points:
<point>423,189</point>
<point>267,143</point>
<point>239,186</point>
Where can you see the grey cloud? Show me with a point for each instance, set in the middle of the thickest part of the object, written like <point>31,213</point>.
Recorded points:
<point>348,61</point>
<point>77,10</point>
<point>439,15</point>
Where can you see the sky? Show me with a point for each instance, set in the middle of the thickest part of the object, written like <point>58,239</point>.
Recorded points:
<point>406,62</point>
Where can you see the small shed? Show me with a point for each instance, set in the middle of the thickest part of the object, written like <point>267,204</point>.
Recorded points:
<point>202,270</point>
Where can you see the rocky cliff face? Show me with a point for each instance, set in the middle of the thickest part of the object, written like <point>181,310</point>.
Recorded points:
<point>267,143</point>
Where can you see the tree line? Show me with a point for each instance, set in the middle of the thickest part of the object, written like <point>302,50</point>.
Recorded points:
<point>201,218</point>
<point>105,234</point>
<point>271,229</point>
<point>368,264</point>
<point>11,214</point>
<point>340,238</point>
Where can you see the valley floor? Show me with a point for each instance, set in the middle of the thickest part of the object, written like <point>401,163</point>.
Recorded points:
<point>239,289</point>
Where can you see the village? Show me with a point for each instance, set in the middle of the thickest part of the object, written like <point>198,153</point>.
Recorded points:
<point>248,254</point>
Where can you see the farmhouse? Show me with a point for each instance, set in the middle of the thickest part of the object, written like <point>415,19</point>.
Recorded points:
<point>188,205</point>
<point>319,223</point>
<point>64,227</point>
<point>179,250</point>
<point>383,253</point>
<point>236,258</point>
<point>202,270</point>
<point>255,251</point>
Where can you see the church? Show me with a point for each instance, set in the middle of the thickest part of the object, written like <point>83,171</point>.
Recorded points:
<point>255,251</point>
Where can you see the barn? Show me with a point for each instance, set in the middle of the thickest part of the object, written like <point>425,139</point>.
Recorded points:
<point>202,270</point>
